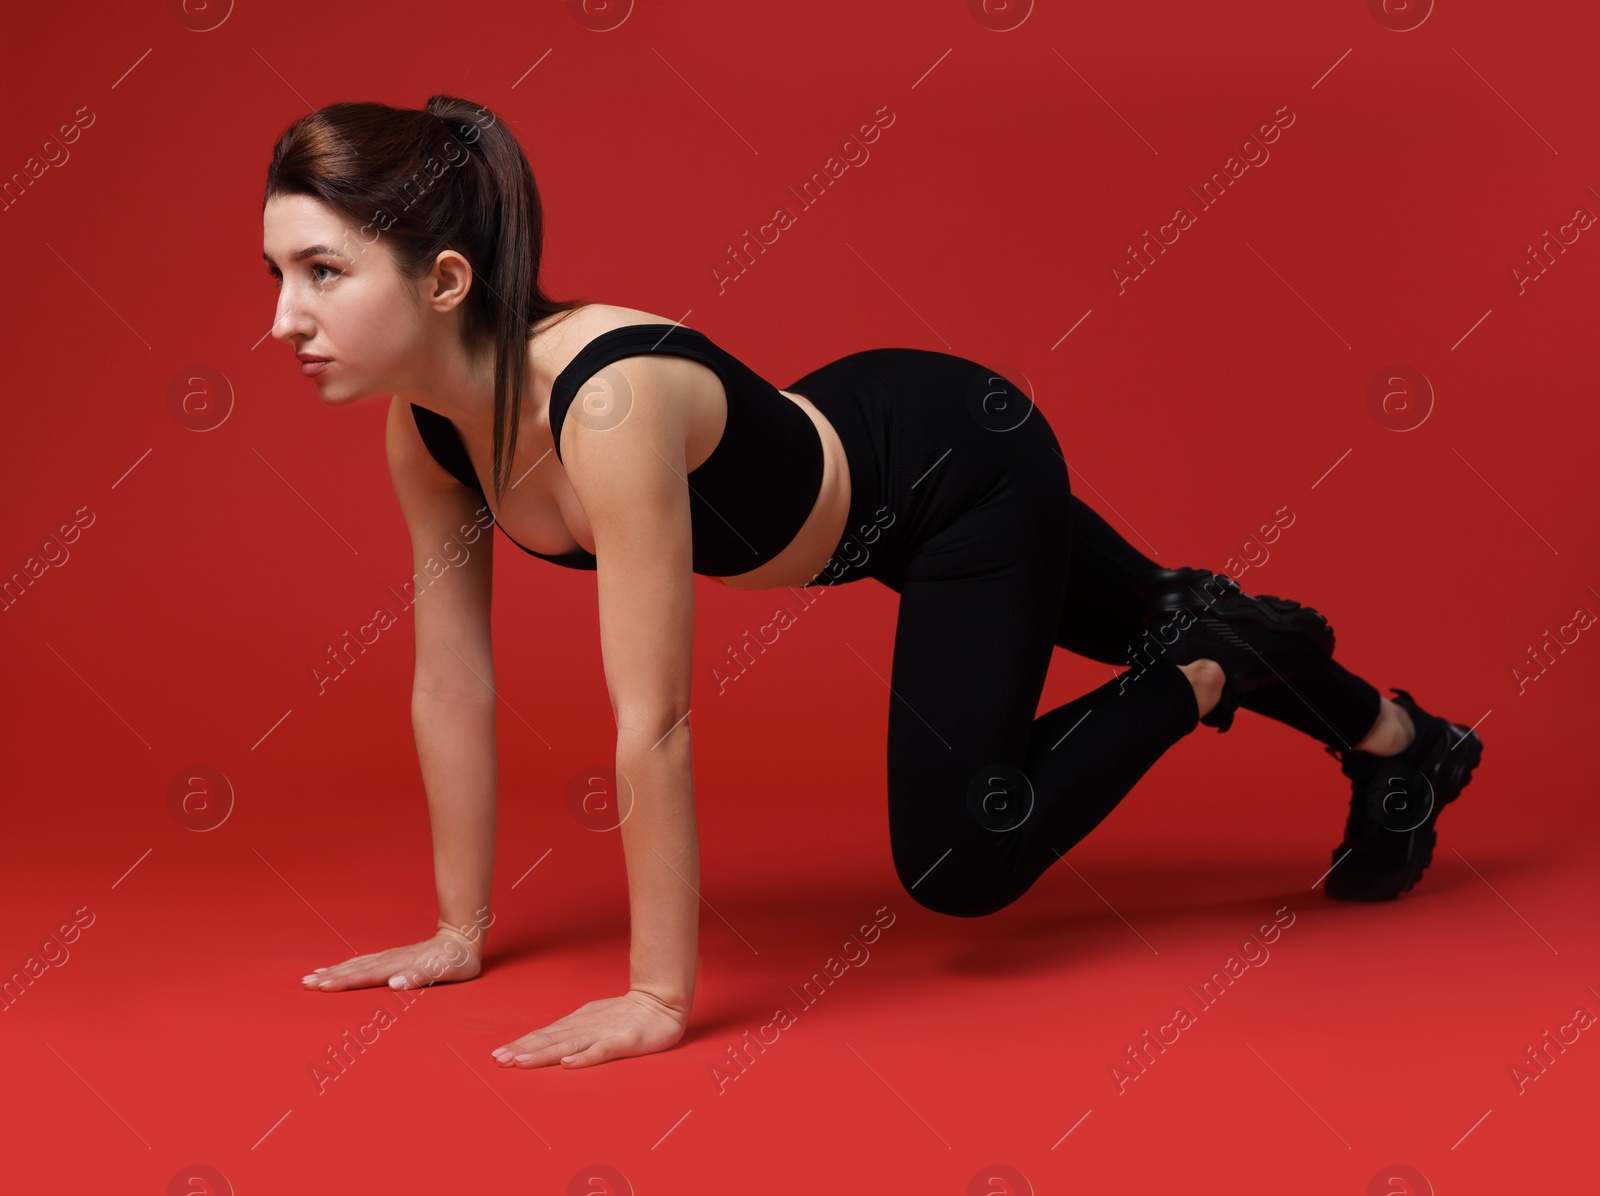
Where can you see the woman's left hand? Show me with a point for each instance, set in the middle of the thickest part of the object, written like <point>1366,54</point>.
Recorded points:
<point>635,1023</point>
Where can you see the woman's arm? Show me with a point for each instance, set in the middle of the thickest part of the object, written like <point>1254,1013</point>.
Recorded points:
<point>452,715</point>
<point>456,751</point>
<point>662,850</point>
<point>629,477</point>
<point>452,691</point>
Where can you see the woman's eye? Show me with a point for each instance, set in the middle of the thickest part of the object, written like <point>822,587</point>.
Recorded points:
<point>277,278</point>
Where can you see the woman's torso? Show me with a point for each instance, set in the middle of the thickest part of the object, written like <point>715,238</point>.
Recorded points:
<point>541,511</point>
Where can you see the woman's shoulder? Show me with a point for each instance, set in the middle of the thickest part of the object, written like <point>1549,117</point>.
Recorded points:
<point>582,324</point>
<point>567,337</point>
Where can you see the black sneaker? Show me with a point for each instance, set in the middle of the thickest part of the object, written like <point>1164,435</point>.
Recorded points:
<point>1189,614</point>
<point>1389,835</point>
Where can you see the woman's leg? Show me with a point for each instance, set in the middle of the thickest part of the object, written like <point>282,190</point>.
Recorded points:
<point>1100,620</point>
<point>984,796</point>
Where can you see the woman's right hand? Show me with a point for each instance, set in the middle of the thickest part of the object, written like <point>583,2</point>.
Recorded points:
<point>448,955</point>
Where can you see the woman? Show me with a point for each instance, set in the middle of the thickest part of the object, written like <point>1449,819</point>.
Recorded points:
<point>407,243</point>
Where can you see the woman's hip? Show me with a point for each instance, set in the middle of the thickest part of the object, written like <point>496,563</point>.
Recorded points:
<point>931,437</point>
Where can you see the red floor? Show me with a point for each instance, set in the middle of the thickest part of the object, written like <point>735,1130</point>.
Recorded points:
<point>1349,1040</point>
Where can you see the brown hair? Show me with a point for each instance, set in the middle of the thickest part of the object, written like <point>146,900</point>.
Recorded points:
<point>448,175</point>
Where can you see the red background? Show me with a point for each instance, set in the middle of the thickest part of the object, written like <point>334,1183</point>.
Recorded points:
<point>1229,381</point>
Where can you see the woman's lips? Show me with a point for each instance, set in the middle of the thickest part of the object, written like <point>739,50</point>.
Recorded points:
<point>312,368</point>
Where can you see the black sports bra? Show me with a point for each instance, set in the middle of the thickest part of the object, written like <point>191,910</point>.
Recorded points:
<point>747,500</point>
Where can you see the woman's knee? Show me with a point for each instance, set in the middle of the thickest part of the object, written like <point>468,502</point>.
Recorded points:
<point>952,885</point>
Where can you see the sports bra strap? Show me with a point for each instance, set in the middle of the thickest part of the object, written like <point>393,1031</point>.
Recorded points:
<point>633,340</point>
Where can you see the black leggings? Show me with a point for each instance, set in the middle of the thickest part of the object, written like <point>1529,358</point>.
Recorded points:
<point>960,502</point>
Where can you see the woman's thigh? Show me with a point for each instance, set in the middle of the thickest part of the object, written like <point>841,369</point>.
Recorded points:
<point>980,605</point>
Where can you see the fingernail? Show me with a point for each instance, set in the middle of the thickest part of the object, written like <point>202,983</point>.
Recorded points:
<point>308,978</point>
<point>397,981</point>
<point>524,1058</point>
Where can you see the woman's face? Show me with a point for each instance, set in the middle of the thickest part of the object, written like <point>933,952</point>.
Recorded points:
<point>345,301</point>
